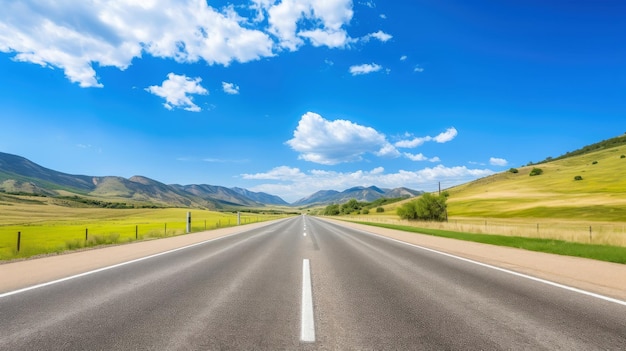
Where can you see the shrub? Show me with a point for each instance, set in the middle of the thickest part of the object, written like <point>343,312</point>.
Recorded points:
<point>380,209</point>
<point>427,208</point>
<point>536,171</point>
<point>514,170</point>
<point>594,162</point>
<point>578,177</point>
<point>623,156</point>
<point>365,211</point>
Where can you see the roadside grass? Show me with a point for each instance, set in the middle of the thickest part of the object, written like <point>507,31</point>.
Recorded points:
<point>46,229</point>
<point>607,253</point>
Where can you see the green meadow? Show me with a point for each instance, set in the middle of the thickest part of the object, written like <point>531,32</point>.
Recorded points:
<point>48,228</point>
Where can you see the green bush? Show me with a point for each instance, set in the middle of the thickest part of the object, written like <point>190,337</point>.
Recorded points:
<point>536,171</point>
<point>380,209</point>
<point>578,177</point>
<point>427,208</point>
<point>623,156</point>
<point>514,170</point>
<point>594,162</point>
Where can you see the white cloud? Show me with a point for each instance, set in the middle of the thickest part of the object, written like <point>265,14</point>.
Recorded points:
<point>418,69</point>
<point>331,39</point>
<point>332,142</point>
<point>364,69</point>
<point>383,16</point>
<point>77,36</point>
<point>328,17</point>
<point>230,88</point>
<point>278,173</point>
<point>176,91</point>
<point>301,184</point>
<point>380,35</point>
<point>444,137</point>
<point>420,157</point>
<point>494,161</point>
<point>403,58</point>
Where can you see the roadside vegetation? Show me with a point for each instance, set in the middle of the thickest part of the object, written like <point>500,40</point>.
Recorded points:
<point>571,205</point>
<point>560,247</point>
<point>45,226</point>
<point>353,206</point>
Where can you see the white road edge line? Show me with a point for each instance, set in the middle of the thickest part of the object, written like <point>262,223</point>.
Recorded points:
<point>15,292</point>
<point>307,325</point>
<point>521,275</point>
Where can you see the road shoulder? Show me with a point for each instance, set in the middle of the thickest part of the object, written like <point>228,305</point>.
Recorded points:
<point>604,278</point>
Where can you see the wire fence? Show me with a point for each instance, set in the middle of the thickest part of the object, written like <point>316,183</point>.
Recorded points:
<point>20,241</point>
<point>574,231</point>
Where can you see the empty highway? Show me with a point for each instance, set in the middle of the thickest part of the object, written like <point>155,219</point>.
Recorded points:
<point>305,284</point>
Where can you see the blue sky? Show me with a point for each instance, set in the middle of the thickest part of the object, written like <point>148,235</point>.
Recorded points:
<point>291,97</point>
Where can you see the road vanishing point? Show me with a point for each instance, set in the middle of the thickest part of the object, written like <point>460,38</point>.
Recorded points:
<point>304,283</point>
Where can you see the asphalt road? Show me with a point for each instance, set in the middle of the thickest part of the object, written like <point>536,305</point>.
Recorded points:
<point>251,291</point>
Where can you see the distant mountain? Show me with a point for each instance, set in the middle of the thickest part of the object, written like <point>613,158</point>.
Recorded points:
<point>41,180</point>
<point>362,194</point>
<point>263,198</point>
<point>19,175</point>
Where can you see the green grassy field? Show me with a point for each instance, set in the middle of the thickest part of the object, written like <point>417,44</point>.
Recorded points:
<point>597,252</point>
<point>48,228</point>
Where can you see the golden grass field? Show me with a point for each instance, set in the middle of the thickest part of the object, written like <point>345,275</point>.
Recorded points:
<point>48,228</point>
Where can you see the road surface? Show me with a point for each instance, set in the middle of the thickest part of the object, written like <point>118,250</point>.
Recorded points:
<point>307,284</point>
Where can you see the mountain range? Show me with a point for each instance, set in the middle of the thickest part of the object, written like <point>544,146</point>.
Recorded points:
<point>20,175</point>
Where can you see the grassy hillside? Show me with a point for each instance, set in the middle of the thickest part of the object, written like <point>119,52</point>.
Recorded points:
<point>599,196</point>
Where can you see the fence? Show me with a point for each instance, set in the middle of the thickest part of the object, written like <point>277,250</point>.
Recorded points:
<point>595,233</point>
<point>34,239</point>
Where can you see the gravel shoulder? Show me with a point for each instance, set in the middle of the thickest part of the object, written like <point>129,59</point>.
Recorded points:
<point>599,277</point>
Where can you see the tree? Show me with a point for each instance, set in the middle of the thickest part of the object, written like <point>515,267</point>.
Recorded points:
<point>426,208</point>
<point>332,210</point>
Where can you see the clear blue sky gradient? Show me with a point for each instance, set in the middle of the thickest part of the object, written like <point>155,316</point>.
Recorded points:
<point>453,90</point>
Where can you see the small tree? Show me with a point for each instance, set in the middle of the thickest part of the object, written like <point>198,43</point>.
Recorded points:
<point>380,209</point>
<point>332,210</point>
<point>536,171</point>
<point>427,208</point>
<point>514,170</point>
<point>578,177</point>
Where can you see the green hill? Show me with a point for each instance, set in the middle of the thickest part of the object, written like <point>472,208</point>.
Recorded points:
<point>599,194</point>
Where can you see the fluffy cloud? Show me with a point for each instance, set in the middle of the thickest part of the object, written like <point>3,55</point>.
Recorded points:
<point>278,173</point>
<point>364,69</point>
<point>380,35</point>
<point>76,36</point>
<point>418,69</point>
<point>293,184</point>
<point>420,157</point>
<point>329,17</point>
<point>176,91</point>
<point>331,142</point>
<point>230,88</point>
<point>494,161</point>
<point>444,137</point>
